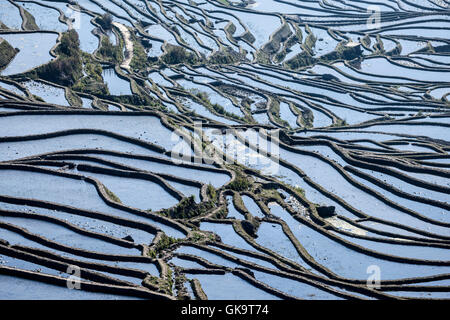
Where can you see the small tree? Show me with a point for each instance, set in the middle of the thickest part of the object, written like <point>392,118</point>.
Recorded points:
<point>70,44</point>
<point>106,21</point>
<point>68,67</point>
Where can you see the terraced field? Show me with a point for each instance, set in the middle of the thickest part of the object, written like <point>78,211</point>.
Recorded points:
<point>216,149</point>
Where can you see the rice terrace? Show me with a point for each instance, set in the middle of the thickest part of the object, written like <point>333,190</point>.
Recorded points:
<point>224,149</point>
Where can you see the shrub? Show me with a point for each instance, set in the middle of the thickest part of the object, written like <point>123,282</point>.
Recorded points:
<point>164,243</point>
<point>110,51</point>
<point>299,190</point>
<point>70,44</point>
<point>240,183</point>
<point>227,56</point>
<point>201,95</point>
<point>64,71</point>
<point>93,81</point>
<point>177,54</point>
<point>106,21</point>
<point>67,69</point>
<point>188,208</point>
<point>211,191</point>
<point>139,60</point>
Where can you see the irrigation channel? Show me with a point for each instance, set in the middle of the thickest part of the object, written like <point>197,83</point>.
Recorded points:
<point>116,115</point>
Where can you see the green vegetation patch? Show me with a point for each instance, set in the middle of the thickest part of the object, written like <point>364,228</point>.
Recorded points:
<point>92,83</point>
<point>111,195</point>
<point>303,59</point>
<point>343,51</point>
<point>105,21</point>
<point>159,284</point>
<point>139,61</point>
<point>188,208</point>
<point>7,53</point>
<point>211,191</point>
<point>109,52</point>
<point>164,243</point>
<point>177,54</point>
<point>226,56</point>
<point>67,68</point>
<point>240,183</point>
<point>30,23</point>
<point>274,109</point>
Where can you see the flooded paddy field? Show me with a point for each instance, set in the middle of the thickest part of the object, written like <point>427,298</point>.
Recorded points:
<point>195,150</point>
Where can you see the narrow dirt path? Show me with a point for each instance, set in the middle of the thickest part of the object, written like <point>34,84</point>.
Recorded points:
<point>128,45</point>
